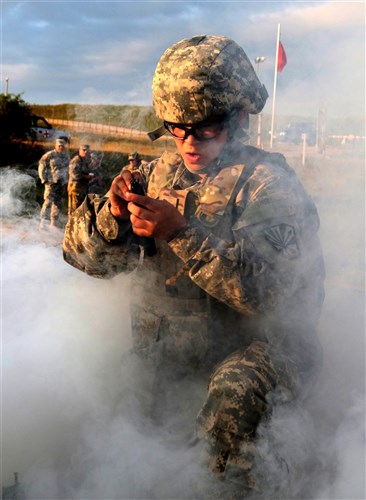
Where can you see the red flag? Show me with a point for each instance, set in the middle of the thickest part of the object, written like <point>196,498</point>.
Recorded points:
<point>282,59</point>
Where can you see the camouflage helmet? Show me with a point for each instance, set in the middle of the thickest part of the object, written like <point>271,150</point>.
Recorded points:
<point>204,76</point>
<point>134,156</point>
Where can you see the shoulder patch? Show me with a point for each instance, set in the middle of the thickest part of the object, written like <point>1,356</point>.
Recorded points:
<point>283,239</point>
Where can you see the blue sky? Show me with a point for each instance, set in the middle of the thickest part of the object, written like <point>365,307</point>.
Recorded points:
<point>105,52</point>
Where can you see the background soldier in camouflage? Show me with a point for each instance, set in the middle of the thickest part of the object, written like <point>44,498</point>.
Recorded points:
<point>79,176</point>
<point>234,293</point>
<point>136,163</point>
<point>53,172</point>
<point>96,182</point>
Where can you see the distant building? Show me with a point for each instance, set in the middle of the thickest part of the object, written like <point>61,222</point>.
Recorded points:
<point>295,131</point>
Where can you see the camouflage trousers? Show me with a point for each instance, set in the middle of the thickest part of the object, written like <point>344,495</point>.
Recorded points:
<point>53,197</point>
<point>75,199</point>
<point>241,391</point>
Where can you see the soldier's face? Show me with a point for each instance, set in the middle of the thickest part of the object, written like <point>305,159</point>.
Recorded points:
<point>84,153</point>
<point>199,154</point>
<point>59,148</point>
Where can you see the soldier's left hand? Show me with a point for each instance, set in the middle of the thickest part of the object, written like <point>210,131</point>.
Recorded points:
<point>154,218</point>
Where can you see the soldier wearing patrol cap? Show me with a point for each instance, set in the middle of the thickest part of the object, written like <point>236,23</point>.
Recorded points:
<point>96,182</point>
<point>135,162</point>
<point>233,295</point>
<point>53,173</point>
<point>79,176</point>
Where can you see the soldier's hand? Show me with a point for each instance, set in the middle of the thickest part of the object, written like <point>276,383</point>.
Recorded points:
<point>154,218</point>
<point>117,194</point>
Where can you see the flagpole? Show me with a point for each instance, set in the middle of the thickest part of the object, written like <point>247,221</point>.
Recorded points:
<point>275,84</point>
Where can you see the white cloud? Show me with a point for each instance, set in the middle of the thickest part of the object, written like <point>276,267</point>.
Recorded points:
<point>300,18</point>
<point>18,75</point>
<point>330,15</point>
<point>118,57</point>
<point>39,24</point>
<point>113,47</point>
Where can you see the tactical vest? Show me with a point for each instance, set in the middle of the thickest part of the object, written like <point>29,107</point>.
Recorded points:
<point>171,316</point>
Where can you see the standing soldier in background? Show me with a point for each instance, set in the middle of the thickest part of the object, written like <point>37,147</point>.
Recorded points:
<point>232,297</point>
<point>135,161</point>
<point>53,173</point>
<point>96,182</point>
<point>79,176</point>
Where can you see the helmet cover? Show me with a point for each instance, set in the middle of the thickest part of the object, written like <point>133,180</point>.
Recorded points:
<point>205,76</point>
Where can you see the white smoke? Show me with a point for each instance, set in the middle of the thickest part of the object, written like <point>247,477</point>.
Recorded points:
<point>17,193</point>
<point>64,426</point>
<point>65,388</point>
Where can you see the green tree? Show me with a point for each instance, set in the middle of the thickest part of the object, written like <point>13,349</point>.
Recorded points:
<point>15,117</point>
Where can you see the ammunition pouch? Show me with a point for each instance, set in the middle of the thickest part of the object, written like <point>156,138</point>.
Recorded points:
<point>176,336</point>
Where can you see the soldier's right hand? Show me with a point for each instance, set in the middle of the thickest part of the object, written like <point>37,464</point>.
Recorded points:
<point>117,194</point>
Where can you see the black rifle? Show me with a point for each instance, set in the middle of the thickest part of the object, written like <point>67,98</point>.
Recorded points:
<point>147,243</point>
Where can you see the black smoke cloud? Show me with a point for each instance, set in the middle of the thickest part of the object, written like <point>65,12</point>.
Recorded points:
<point>65,428</point>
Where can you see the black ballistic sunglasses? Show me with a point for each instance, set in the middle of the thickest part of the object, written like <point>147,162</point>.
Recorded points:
<point>203,131</point>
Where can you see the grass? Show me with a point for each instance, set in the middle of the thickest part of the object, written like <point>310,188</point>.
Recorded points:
<point>148,149</point>
<point>135,117</point>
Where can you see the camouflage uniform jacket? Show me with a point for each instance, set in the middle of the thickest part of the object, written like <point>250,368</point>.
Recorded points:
<point>53,167</point>
<point>247,266</point>
<point>95,184</point>
<point>141,167</point>
<point>79,168</point>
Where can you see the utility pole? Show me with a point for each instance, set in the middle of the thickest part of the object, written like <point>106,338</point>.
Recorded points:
<point>6,85</point>
<point>320,128</point>
<point>258,60</point>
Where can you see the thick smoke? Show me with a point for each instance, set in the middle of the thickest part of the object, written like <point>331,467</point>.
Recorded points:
<point>70,425</point>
